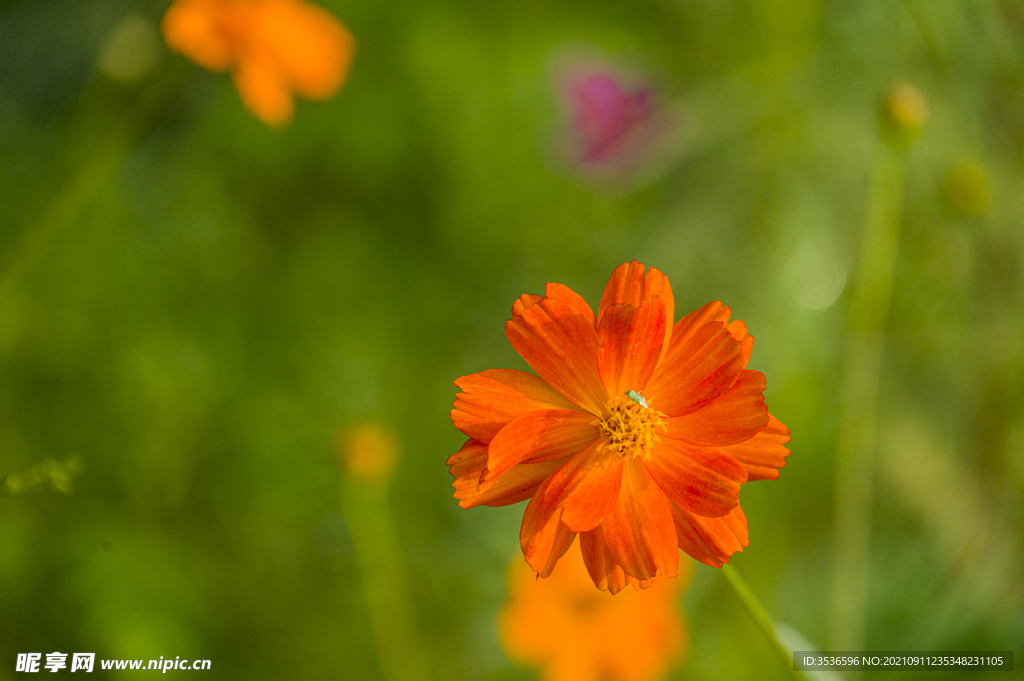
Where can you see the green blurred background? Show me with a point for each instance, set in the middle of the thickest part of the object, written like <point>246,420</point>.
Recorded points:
<point>193,307</point>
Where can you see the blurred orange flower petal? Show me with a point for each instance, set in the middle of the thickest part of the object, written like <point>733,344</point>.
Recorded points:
<point>312,49</point>
<point>369,452</point>
<point>263,91</point>
<point>273,48</point>
<point>637,433</point>
<point>574,633</point>
<point>194,28</point>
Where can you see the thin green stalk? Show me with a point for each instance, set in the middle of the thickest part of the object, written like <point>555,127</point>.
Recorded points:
<point>388,591</point>
<point>760,617</point>
<point>64,210</point>
<point>857,442</point>
<point>104,153</point>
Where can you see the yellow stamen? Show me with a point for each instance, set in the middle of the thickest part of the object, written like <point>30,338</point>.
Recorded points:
<point>629,429</point>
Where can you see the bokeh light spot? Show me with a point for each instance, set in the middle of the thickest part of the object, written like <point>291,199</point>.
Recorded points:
<point>813,279</point>
<point>130,51</point>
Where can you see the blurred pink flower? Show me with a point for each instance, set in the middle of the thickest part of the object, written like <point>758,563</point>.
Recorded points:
<point>613,125</point>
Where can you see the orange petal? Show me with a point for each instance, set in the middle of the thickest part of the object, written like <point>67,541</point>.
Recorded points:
<point>747,345</point>
<point>573,661</point>
<point>492,398</point>
<point>264,90</point>
<point>763,455</point>
<point>696,372</point>
<point>191,28</point>
<point>624,286</point>
<point>640,584</point>
<point>525,301</point>
<point>312,49</point>
<point>656,284</point>
<point>603,569</point>
<point>586,486</point>
<point>684,329</point>
<point>632,339</point>
<point>702,480</point>
<point>560,344</point>
<point>739,331</point>
<point>711,540</point>
<point>471,459</point>
<point>544,539</point>
<point>628,284</point>
<point>572,299</point>
<point>734,416</point>
<point>517,484</point>
<point>640,533</point>
<point>737,328</point>
<point>539,436</point>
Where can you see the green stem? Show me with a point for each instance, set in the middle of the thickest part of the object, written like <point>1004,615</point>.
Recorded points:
<point>388,590</point>
<point>855,456</point>
<point>104,153</point>
<point>760,617</point>
<point>63,210</point>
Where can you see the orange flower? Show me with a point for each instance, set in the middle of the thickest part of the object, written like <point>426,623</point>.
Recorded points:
<point>636,434</point>
<point>368,452</point>
<point>273,48</point>
<point>575,633</point>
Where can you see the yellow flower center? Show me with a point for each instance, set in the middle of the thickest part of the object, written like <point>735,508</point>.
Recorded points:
<point>629,429</point>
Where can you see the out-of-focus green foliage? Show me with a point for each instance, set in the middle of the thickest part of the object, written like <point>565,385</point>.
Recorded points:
<point>194,306</point>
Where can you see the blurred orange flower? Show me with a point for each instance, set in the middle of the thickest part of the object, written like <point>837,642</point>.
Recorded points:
<point>636,434</point>
<point>369,452</point>
<point>273,48</point>
<point>575,633</point>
